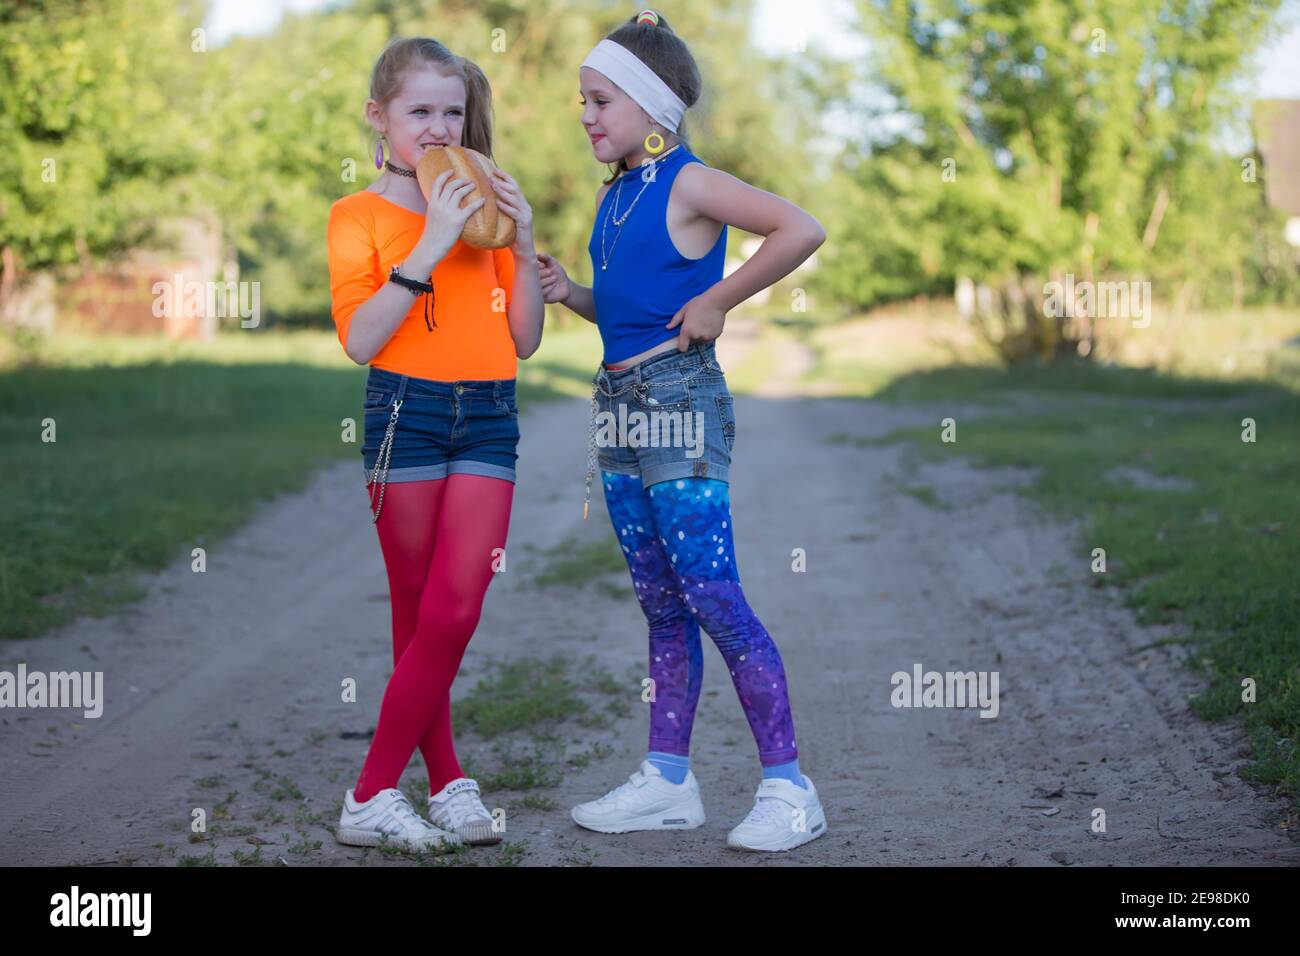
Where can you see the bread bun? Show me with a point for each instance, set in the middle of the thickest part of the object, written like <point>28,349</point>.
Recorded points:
<point>488,227</point>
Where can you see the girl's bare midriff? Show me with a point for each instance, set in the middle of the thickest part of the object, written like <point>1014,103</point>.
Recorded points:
<point>642,356</point>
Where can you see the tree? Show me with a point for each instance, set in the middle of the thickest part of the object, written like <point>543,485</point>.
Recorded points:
<point>98,139</point>
<point>144,119</point>
<point>1046,139</point>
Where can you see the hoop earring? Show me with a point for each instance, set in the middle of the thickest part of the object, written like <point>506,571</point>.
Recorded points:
<point>379,153</point>
<point>653,150</point>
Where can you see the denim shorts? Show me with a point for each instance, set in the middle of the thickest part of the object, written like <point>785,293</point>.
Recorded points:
<point>438,428</point>
<point>669,416</point>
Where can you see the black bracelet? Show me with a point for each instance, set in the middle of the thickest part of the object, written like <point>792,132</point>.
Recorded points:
<point>417,287</point>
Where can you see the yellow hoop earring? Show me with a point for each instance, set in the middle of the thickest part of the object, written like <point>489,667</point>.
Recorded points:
<point>653,150</point>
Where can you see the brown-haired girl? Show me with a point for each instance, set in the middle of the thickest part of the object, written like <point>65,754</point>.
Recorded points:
<point>659,300</point>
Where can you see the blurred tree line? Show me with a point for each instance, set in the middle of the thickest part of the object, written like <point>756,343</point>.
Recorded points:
<point>1014,141</point>
<point>1017,142</point>
<point>143,117</point>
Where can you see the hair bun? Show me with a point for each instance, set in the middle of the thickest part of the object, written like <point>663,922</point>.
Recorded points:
<point>648,16</point>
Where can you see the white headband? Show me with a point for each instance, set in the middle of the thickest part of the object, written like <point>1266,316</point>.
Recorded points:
<point>638,81</point>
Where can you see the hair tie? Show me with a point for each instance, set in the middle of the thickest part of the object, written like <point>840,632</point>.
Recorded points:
<point>648,16</point>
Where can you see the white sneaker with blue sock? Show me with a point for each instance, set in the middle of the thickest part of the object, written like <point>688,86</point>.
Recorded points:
<point>648,801</point>
<point>784,816</point>
<point>674,767</point>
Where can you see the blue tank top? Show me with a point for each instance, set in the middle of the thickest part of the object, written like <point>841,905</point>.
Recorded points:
<point>646,280</point>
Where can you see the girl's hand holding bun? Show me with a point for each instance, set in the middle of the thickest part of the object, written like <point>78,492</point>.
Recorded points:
<point>511,201</point>
<point>445,218</point>
<point>484,226</point>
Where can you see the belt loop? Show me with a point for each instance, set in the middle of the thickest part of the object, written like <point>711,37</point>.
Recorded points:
<point>401,388</point>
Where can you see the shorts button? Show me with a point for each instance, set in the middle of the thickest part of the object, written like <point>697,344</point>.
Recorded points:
<point>460,389</point>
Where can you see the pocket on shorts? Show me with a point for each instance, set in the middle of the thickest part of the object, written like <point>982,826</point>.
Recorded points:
<point>670,395</point>
<point>508,407</point>
<point>727,415</point>
<point>377,399</point>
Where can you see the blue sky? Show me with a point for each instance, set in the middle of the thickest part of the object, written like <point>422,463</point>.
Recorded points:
<point>781,24</point>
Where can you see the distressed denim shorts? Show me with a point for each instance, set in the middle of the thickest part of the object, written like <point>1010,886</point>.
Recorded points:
<point>418,429</point>
<point>669,416</point>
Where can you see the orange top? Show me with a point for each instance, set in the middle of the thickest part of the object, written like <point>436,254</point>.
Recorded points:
<point>367,235</point>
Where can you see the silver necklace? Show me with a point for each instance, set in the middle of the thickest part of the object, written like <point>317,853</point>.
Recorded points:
<point>618,221</point>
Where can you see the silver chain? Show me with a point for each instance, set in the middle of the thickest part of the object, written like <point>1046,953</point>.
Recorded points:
<point>591,438</point>
<point>384,456</point>
<point>591,451</point>
<point>618,191</point>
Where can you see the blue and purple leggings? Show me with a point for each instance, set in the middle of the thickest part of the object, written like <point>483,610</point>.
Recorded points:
<point>677,538</point>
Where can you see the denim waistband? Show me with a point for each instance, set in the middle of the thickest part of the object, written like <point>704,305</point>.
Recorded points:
<point>403,385</point>
<point>613,382</point>
<point>464,388</point>
<point>701,353</point>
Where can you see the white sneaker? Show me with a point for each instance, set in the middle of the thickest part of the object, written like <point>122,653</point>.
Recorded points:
<point>457,807</point>
<point>647,801</point>
<point>389,818</point>
<point>784,816</point>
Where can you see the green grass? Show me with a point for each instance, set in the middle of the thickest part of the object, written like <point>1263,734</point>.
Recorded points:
<point>525,705</point>
<point>146,463</point>
<point>1215,554</point>
<point>1062,380</point>
<point>879,355</point>
<point>523,693</point>
<point>922,493</point>
<point>574,563</point>
<point>529,711</point>
<point>160,447</point>
<point>1218,556</point>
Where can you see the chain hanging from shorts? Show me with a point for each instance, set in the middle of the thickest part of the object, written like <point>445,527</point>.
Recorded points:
<point>591,438</point>
<point>384,456</point>
<point>591,448</point>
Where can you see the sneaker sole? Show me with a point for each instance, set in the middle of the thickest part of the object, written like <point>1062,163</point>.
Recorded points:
<point>351,836</point>
<point>817,827</point>
<point>664,820</point>
<point>478,834</point>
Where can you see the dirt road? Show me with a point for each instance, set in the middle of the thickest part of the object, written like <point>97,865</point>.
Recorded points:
<point>228,682</point>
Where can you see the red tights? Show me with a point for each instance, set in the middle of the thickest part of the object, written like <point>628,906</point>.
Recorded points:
<point>438,539</point>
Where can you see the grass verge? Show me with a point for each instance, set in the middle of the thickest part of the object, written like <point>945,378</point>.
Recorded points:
<point>124,453</point>
<point>1200,527</point>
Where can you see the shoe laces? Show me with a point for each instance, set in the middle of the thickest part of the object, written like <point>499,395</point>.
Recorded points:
<point>768,810</point>
<point>462,806</point>
<point>403,808</point>
<point>623,790</point>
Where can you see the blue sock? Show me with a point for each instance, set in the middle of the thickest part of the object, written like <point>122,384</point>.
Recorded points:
<point>674,767</point>
<point>788,771</point>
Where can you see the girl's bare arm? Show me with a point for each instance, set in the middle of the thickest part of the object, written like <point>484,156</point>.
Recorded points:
<point>792,235</point>
<point>376,319</point>
<point>580,299</point>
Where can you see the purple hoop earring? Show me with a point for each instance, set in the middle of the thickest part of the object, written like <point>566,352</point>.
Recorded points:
<point>379,153</point>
